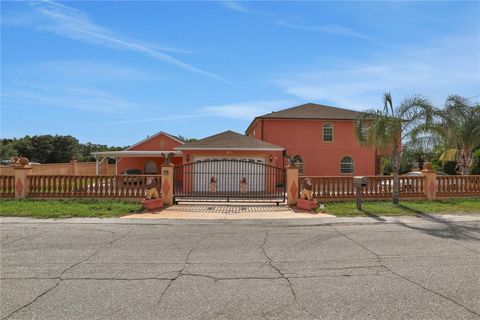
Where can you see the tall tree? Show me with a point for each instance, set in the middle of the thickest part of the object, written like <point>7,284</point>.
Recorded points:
<point>387,128</point>
<point>457,126</point>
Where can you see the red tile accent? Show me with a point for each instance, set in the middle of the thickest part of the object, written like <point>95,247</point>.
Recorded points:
<point>165,187</point>
<point>294,188</point>
<point>431,187</point>
<point>19,186</point>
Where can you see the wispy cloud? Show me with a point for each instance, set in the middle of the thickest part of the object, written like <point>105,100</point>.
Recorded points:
<point>332,29</point>
<point>244,111</point>
<point>89,70</point>
<point>438,70</point>
<point>234,6</point>
<point>75,24</point>
<point>80,98</point>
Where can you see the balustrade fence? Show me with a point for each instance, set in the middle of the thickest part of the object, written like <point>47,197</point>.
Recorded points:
<point>382,187</point>
<point>324,188</point>
<point>62,186</point>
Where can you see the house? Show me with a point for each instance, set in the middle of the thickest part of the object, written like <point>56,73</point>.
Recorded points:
<point>320,139</point>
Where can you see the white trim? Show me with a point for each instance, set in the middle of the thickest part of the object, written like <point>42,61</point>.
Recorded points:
<point>134,153</point>
<point>240,149</point>
<point>156,135</point>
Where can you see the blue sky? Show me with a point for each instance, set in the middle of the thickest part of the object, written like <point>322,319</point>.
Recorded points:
<point>115,72</point>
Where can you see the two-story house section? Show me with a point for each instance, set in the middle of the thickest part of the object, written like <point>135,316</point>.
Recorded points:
<point>321,139</point>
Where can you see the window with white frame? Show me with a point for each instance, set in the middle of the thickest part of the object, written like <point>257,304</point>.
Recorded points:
<point>346,165</point>
<point>298,161</point>
<point>327,132</point>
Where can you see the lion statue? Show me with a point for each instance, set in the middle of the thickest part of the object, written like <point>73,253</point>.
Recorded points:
<point>152,192</point>
<point>212,187</point>
<point>306,193</point>
<point>243,185</point>
<point>20,161</point>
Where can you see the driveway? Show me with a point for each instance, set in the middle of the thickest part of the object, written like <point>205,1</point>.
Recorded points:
<point>424,268</point>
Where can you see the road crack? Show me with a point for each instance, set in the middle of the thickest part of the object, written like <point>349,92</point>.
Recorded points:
<point>272,265</point>
<point>181,271</point>
<point>60,278</point>
<point>380,261</point>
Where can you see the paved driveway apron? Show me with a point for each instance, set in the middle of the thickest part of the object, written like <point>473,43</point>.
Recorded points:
<point>421,270</point>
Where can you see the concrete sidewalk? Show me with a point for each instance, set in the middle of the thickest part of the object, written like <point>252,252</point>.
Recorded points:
<point>222,211</point>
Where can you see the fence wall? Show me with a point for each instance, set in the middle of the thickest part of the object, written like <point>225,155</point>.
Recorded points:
<point>448,186</point>
<point>102,186</point>
<point>381,187</point>
<point>323,188</point>
<point>83,168</point>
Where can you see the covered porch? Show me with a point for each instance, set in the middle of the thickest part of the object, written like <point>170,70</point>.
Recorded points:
<point>142,162</point>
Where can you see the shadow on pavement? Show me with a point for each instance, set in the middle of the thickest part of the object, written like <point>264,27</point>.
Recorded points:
<point>446,230</point>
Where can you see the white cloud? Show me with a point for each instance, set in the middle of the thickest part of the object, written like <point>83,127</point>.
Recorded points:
<point>446,67</point>
<point>244,110</point>
<point>80,98</point>
<point>234,6</point>
<point>75,24</point>
<point>332,29</point>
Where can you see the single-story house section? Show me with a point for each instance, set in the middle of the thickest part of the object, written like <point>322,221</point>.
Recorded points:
<point>146,156</point>
<point>227,158</point>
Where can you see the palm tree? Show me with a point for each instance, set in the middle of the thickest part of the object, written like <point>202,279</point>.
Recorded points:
<point>457,126</point>
<point>387,128</point>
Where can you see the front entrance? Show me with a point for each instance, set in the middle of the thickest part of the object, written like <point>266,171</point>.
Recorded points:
<point>224,179</point>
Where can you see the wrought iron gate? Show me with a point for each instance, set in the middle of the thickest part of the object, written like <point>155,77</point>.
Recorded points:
<point>228,179</point>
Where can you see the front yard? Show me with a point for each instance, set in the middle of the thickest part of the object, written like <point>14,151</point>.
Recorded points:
<point>67,208</point>
<point>405,208</point>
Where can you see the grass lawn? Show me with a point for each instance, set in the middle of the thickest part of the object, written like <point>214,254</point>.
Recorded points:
<point>408,208</point>
<point>67,208</point>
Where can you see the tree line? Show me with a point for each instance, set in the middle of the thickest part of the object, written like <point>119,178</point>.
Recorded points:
<point>51,148</point>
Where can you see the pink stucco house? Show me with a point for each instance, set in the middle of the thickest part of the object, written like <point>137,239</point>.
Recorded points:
<point>320,139</point>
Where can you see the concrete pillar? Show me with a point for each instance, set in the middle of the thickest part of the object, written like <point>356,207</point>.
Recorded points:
<point>292,185</point>
<point>167,184</point>
<point>22,183</point>
<point>74,167</point>
<point>430,183</point>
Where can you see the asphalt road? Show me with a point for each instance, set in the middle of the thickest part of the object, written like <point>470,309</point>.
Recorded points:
<point>417,270</point>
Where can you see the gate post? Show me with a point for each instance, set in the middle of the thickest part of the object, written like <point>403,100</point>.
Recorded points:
<point>292,184</point>
<point>167,184</point>
<point>430,184</point>
<point>22,182</point>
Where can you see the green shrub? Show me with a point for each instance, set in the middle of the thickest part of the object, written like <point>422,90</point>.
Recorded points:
<point>476,163</point>
<point>450,167</point>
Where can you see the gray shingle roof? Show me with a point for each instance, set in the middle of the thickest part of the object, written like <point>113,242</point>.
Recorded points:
<point>229,140</point>
<point>313,111</point>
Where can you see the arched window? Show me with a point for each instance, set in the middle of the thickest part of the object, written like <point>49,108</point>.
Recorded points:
<point>150,167</point>
<point>298,161</point>
<point>346,165</point>
<point>327,132</point>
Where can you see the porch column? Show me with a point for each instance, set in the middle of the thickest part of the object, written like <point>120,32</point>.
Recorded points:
<point>22,183</point>
<point>430,183</point>
<point>167,183</point>
<point>292,184</point>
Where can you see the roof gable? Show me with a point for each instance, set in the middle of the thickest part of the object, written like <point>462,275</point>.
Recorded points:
<point>159,141</point>
<point>229,140</point>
